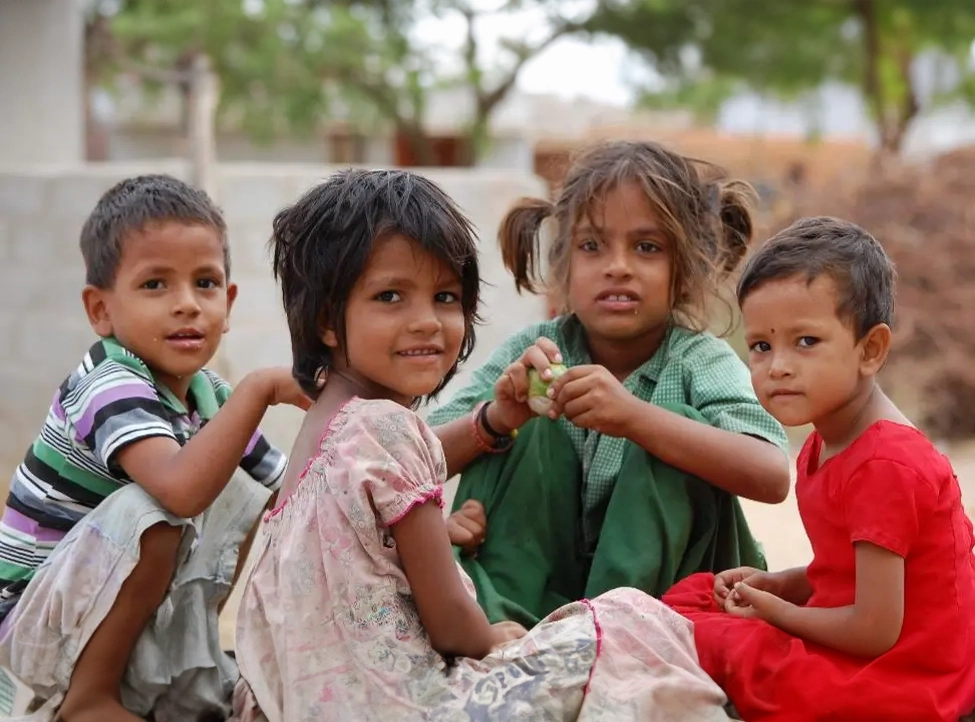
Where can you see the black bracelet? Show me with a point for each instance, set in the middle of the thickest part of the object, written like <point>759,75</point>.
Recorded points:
<point>483,420</point>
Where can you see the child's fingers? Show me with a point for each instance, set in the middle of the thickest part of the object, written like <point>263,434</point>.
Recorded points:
<point>471,526</point>
<point>474,510</point>
<point>513,383</point>
<point>536,358</point>
<point>573,383</point>
<point>550,349</point>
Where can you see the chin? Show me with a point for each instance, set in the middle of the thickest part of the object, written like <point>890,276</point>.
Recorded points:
<point>789,417</point>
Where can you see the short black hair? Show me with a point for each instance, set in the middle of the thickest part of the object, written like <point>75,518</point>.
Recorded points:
<point>132,204</point>
<point>811,247</point>
<point>322,243</point>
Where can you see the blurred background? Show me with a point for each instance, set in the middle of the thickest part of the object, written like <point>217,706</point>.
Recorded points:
<point>857,108</point>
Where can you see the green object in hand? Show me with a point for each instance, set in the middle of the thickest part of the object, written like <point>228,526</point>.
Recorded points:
<point>538,401</point>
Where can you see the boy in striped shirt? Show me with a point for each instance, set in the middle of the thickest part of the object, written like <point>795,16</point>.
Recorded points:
<point>120,534</point>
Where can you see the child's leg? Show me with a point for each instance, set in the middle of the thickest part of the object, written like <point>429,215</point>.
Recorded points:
<point>176,661</point>
<point>662,524</point>
<point>93,693</point>
<point>245,550</point>
<point>531,561</point>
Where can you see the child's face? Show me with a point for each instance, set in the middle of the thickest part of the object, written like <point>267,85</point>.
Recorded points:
<point>620,267</point>
<point>805,360</point>
<point>404,321</point>
<point>170,302</point>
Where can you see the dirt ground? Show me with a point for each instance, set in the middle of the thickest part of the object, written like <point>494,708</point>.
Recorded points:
<point>777,527</point>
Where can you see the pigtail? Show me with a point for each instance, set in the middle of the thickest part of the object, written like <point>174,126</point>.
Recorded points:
<point>736,201</point>
<point>520,242</point>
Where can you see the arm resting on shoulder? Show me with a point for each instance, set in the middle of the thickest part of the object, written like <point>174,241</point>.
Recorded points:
<point>186,480</point>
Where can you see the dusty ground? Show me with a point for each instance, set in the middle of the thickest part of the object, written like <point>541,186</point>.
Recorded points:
<point>777,527</point>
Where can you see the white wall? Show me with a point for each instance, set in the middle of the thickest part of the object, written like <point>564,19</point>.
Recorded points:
<point>42,325</point>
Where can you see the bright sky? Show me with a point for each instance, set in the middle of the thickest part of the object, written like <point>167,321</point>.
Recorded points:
<point>600,69</point>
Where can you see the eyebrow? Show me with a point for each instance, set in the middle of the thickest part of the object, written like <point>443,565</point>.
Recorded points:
<point>160,270</point>
<point>642,231</point>
<point>395,281</point>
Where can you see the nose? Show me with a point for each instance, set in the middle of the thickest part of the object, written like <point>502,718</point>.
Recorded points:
<point>781,366</point>
<point>186,302</point>
<point>618,262</point>
<point>425,321</point>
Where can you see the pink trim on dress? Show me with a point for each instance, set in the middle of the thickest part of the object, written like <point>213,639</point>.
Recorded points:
<point>599,641</point>
<point>435,494</point>
<point>311,460</point>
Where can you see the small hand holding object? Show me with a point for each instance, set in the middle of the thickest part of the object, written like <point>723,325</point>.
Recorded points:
<point>592,398</point>
<point>512,390</point>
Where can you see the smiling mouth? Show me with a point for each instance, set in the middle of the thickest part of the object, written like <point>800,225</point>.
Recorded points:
<point>420,352</point>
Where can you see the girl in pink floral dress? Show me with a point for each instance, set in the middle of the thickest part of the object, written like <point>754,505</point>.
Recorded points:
<point>355,609</point>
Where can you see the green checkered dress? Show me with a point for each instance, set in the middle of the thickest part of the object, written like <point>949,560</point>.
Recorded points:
<point>689,368</point>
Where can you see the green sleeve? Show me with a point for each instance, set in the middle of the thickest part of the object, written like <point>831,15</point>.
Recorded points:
<point>480,387</point>
<point>720,387</point>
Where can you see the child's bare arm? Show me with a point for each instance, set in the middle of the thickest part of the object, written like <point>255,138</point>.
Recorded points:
<point>456,624</point>
<point>186,480</point>
<point>742,465</point>
<point>591,397</point>
<point>867,628</point>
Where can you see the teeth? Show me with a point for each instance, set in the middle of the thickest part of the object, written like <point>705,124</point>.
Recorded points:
<point>617,297</point>
<point>421,352</point>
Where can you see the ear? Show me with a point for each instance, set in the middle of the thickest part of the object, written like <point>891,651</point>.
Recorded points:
<point>874,348</point>
<point>95,301</point>
<point>330,338</point>
<point>231,297</point>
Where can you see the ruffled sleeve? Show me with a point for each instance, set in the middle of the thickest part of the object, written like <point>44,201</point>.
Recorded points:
<point>399,460</point>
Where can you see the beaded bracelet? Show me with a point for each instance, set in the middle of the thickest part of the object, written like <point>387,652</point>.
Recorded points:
<point>479,421</point>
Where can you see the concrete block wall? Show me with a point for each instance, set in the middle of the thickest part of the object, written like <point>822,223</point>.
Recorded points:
<point>43,326</point>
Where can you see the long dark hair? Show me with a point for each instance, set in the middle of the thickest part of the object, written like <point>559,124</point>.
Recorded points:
<point>322,243</point>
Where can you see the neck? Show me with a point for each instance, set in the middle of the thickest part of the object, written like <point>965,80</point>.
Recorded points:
<point>179,385</point>
<point>344,383</point>
<point>843,426</point>
<point>622,357</point>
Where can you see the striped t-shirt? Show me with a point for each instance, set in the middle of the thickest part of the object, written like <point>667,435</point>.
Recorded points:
<point>109,402</point>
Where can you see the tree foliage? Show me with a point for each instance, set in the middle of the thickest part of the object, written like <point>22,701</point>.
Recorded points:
<point>706,49</point>
<point>285,65</point>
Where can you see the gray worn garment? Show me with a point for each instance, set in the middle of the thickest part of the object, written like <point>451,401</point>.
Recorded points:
<point>177,669</point>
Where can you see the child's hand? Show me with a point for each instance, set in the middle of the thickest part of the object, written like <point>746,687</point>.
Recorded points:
<point>592,398</point>
<point>756,578</point>
<point>511,388</point>
<point>280,387</point>
<point>504,632</point>
<point>747,602</point>
<point>467,527</point>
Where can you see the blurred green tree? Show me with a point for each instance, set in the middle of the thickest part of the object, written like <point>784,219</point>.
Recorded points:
<point>285,65</point>
<point>789,47</point>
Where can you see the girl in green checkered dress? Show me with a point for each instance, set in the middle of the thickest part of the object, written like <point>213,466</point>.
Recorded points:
<point>633,477</point>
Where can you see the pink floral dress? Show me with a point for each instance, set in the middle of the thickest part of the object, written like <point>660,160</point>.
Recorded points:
<point>328,630</point>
